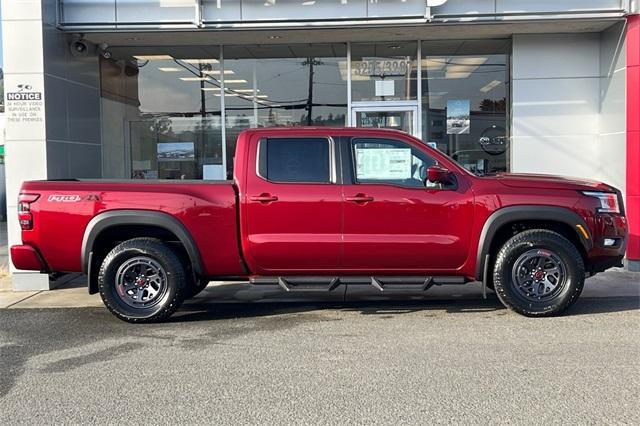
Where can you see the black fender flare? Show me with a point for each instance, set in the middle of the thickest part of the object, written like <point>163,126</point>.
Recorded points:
<point>527,212</point>
<point>111,218</point>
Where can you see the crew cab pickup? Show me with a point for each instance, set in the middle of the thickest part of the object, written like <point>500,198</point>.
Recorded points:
<point>336,211</point>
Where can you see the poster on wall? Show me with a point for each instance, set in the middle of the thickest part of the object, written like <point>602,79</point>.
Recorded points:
<point>176,151</point>
<point>458,117</point>
<point>381,164</point>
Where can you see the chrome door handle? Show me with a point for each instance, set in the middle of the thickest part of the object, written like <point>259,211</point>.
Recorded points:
<point>264,198</point>
<point>359,198</point>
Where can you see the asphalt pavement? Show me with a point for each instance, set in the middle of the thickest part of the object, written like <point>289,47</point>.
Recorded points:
<point>449,358</point>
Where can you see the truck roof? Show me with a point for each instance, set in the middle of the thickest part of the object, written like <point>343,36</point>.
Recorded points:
<point>314,130</point>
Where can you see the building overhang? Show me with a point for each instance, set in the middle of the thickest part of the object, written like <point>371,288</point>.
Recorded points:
<point>337,34</point>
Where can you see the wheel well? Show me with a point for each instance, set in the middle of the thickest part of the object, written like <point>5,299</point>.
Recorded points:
<point>510,229</point>
<point>113,235</point>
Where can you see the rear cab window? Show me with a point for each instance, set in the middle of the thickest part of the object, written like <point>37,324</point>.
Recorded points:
<point>295,160</point>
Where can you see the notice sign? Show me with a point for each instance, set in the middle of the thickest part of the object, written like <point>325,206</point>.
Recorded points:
<point>24,104</point>
<point>383,164</point>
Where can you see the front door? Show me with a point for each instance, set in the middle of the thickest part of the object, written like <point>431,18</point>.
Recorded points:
<point>395,221</point>
<point>397,116</point>
<point>293,207</point>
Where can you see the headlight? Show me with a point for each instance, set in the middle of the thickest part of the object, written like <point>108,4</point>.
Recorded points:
<point>608,201</point>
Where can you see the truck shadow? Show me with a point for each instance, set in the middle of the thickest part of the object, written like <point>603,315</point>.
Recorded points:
<point>203,310</point>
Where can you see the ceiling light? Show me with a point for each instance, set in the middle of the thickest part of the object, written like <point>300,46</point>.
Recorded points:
<point>169,69</point>
<point>244,90</point>
<point>200,61</point>
<point>194,78</point>
<point>153,57</point>
<point>262,96</point>
<point>469,61</point>
<point>492,85</point>
<point>394,47</point>
<point>217,72</point>
<point>211,89</point>
<point>275,37</point>
<point>235,81</point>
<point>455,73</point>
<point>309,3</point>
<point>433,64</point>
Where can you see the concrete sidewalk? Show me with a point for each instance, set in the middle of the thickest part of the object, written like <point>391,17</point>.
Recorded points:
<point>610,284</point>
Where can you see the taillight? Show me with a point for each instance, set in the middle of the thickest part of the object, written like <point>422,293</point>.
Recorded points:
<point>25,217</point>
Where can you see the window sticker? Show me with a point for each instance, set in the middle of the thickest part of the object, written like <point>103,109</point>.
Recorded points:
<point>383,163</point>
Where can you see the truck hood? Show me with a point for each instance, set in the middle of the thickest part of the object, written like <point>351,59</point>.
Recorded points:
<point>525,180</point>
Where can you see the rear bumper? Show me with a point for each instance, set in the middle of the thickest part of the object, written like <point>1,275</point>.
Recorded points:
<point>27,258</point>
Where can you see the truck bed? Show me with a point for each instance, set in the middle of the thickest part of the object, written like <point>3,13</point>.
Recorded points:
<point>207,209</point>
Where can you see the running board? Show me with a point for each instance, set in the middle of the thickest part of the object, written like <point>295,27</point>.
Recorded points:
<point>380,283</point>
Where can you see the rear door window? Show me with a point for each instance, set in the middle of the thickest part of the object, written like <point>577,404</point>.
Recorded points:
<point>301,160</point>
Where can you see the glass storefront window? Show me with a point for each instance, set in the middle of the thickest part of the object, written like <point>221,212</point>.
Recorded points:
<point>384,71</point>
<point>172,112</point>
<point>284,85</point>
<point>465,90</point>
<point>172,102</point>
<point>161,118</point>
<point>176,148</point>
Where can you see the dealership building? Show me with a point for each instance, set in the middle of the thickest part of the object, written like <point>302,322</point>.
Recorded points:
<point>160,89</point>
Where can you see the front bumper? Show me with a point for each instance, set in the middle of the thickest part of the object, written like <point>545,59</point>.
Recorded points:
<point>612,227</point>
<point>27,258</point>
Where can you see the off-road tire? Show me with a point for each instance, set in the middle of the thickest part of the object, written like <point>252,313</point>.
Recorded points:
<point>175,284</point>
<point>543,239</point>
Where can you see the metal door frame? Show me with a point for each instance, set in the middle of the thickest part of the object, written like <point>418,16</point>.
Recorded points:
<point>387,106</point>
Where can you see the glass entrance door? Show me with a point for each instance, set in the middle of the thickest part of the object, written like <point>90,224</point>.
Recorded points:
<point>404,118</point>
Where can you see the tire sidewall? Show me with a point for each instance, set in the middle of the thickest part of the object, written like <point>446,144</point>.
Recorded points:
<point>505,287</point>
<point>167,260</point>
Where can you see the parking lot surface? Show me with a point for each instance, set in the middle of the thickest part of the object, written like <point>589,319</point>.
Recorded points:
<point>449,358</point>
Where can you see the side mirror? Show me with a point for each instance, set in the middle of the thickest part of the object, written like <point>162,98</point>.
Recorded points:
<point>438,174</point>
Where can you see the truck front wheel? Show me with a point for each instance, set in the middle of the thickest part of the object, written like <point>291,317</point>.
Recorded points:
<point>538,273</point>
<point>142,280</point>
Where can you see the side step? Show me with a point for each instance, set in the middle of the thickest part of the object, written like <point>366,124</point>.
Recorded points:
<point>382,283</point>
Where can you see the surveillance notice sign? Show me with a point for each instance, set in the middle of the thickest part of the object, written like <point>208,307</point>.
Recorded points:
<point>24,104</point>
<point>24,109</point>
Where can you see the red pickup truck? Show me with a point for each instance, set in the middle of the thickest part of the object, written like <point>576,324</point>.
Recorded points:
<point>333,210</point>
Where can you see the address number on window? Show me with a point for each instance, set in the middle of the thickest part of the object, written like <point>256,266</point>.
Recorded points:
<point>381,68</point>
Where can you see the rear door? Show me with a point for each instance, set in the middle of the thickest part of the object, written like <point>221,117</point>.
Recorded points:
<point>293,206</point>
<point>396,221</point>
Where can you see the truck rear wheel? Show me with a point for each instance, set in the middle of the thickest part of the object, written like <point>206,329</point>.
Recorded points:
<point>142,280</point>
<point>538,273</point>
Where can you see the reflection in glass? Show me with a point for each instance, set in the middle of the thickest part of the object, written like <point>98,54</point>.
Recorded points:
<point>280,85</point>
<point>384,71</point>
<point>160,99</point>
<point>175,148</point>
<point>464,98</point>
<point>398,120</point>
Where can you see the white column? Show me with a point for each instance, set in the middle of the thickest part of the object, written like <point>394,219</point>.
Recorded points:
<point>25,143</point>
<point>555,99</point>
